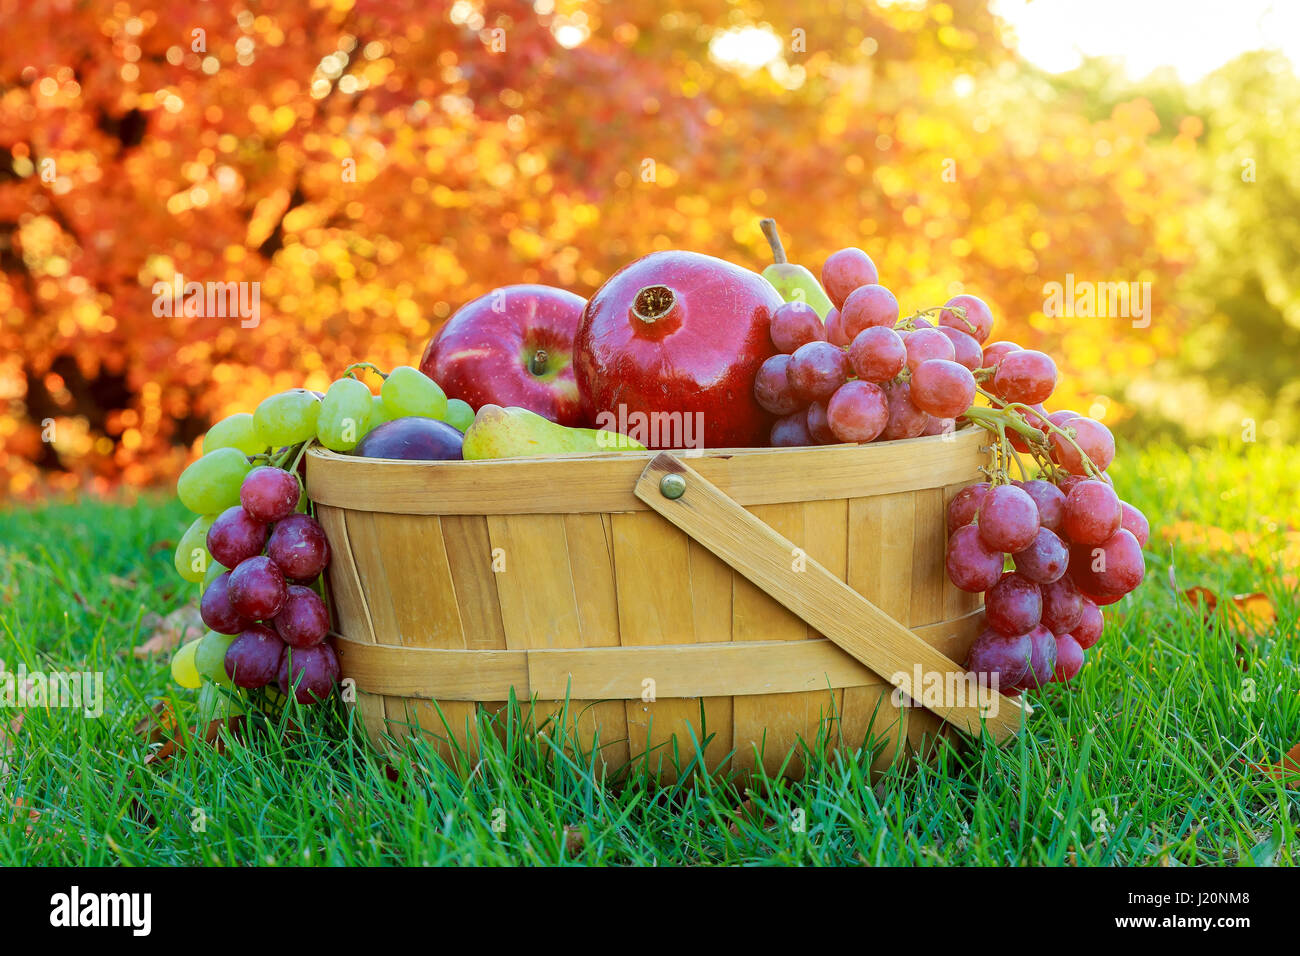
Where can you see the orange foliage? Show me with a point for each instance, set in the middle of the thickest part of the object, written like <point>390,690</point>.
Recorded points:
<point>372,164</point>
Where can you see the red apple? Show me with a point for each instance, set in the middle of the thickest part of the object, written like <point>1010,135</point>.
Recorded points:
<point>668,350</point>
<point>513,346</point>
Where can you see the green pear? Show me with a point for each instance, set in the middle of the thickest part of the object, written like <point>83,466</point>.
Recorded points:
<point>498,432</point>
<point>793,282</point>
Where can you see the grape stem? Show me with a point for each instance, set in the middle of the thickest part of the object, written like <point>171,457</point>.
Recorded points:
<point>909,324</point>
<point>1011,415</point>
<point>1067,434</point>
<point>366,365</point>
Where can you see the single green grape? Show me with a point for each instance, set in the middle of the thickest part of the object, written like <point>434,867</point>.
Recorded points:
<point>216,703</point>
<point>210,657</point>
<point>287,418</point>
<point>344,415</point>
<point>234,431</point>
<point>408,391</point>
<point>183,671</point>
<point>378,412</point>
<point>192,559</point>
<point>459,414</point>
<point>211,485</point>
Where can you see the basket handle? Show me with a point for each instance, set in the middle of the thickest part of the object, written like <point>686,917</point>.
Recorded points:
<point>827,604</point>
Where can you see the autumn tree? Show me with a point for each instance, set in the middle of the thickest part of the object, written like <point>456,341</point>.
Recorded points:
<point>373,164</point>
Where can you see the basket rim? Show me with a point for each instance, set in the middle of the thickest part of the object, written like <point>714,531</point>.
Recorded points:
<point>604,481</point>
<point>318,451</point>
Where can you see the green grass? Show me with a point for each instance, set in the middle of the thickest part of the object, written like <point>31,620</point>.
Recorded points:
<point>1145,761</point>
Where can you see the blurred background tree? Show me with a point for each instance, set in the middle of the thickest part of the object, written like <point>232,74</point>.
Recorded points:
<point>374,164</point>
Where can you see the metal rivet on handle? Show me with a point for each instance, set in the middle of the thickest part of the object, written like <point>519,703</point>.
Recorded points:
<point>672,486</point>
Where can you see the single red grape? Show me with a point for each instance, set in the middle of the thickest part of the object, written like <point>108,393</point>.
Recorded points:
<point>995,352</point>
<point>1008,519</point>
<point>1093,437</point>
<point>1045,560</point>
<point>303,621</point>
<point>310,672</point>
<point>1112,568</point>
<point>972,566</point>
<point>966,349</point>
<point>1091,620</point>
<point>846,270</point>
<point>977,322</point>
<point>1102,600</point>
<point>1014,605</point>
<point>868,306</point>
<point>269,494</point>
<point>1069,659</point>
<point>1092,512</point>
<point>299,547</point>
<point>818,424</point>
<point>1026,376</point>
<point>235,536</point>
<point>877,354</point>
<point>942,388</point>
<point>1135,522</point>
<point>1062,605</point>
<point>905,419</point>
<point>253,658</point>
<point>1060,418</point>
<point>1003,661</point>
<point>857,412</point>
<point>1050,501</point>
<point>939,426</point>
<point>216,610</point>
<point>795,324</point>
<point>772,387</point>
<point>791,431</point>
<point>816,370</point>
<point>925,344</point>
<point>965,504</point>
<point>257,588</point>
<point>1042,659</point>
<point>835,329</point>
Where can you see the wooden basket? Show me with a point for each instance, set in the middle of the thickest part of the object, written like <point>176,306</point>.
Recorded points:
<point>781,595</point>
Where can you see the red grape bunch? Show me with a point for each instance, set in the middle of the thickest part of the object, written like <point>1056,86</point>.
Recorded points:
<point>269,602</point>
<point>1048,549</point>
<point>1047,552</point>
<point>865,374</point>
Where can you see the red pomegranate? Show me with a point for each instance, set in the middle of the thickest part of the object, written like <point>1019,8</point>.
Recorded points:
<point>668,348</point>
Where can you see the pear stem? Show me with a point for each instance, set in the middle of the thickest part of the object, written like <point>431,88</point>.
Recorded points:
<point>774,240</point>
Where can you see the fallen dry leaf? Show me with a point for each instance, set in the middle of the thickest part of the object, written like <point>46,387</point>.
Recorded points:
<point>1249,614</point>
<point>748,813</point>
<point>160,723</point>
<point>1287,770</point>
<point>8,732</point>
<point>574,839</point>
<point>175,744</point>
<point>33,816</point>
<point>168,632</point>
<point>1253,612</point>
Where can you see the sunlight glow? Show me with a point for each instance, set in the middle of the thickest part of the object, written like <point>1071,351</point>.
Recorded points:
<point>747,48</point>
<point>1194,38</point>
